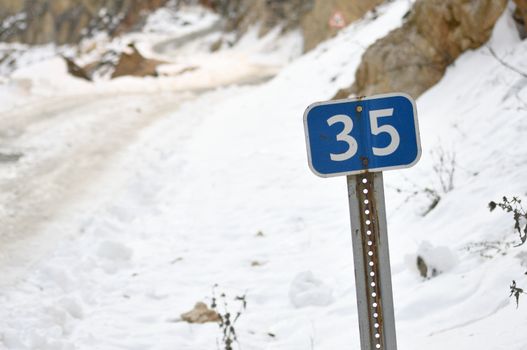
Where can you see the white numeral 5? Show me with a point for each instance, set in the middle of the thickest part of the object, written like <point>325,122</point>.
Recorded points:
<point>376,130</point>
<point>344,136</point>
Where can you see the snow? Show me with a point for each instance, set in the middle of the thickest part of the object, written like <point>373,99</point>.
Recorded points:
<point>307,290</point>
<point>17,55</point>
<point>438,259</point>
<point>172,20</point>
<point>131,206</point>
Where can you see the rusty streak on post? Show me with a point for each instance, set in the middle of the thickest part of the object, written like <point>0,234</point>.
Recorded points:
<point>375,302</point>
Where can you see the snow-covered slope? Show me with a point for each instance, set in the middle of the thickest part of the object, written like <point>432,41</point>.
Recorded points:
<point>180,209</point>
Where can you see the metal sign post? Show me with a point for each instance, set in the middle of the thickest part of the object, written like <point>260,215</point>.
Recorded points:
<point>360,138</point>
<point>372,261</point>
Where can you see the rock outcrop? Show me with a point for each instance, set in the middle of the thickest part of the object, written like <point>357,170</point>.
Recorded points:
<point>316,23</point>
<point>135,64</point>
<point>67,21</point>
<point>76,70</point>
<point>521,16</point>
<point>242,14</point>
<point>414,57</point>
<point>313,17</point>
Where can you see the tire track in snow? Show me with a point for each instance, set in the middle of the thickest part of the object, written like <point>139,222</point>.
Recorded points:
<point>67,149</point>
<point>68,143</point>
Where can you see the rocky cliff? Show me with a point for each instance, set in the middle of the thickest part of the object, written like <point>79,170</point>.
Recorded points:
<point>316,23</point>
<point>411,58</point>
<point>415,56</point>
<point>67,21</point>
<point>521,16</point>
<point>313,17</point>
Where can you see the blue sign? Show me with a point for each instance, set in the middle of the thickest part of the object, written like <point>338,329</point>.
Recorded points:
<point>352,136</point>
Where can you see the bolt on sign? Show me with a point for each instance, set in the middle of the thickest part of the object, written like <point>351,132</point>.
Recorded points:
<point>360,138</point>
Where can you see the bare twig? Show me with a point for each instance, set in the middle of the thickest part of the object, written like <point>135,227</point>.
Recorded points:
<point>514,206</point>
<point>516,292</point>
<point>228,319</point>
<point>445,168</point>
<point>505,64</point>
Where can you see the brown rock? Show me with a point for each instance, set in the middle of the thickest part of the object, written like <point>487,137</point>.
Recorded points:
<point>342,94</point>
<point>216,45</point>
<point>414,57</point>
<point>316,26</point>
<point>200,314</point>
<point>67,21</point>
<point>207,3</point>
<point>311,16</point>
<point>12,6</point>
<point>135,64</point>
<point>422,267</point>
<point>134,11</point>
<point>424,270</point>
<point>521,15</point>
<point>271,13</point>
<point>75,70</point>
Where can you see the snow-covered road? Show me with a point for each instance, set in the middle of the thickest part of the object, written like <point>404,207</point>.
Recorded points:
<point>134,205</point>
<point>58,150</point>
<point>67,145</point>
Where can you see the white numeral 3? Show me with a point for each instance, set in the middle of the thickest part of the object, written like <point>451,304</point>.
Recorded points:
<point>345,137</point>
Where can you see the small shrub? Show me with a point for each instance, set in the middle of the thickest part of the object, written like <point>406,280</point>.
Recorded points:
<point>228,319</point>
<point>444,168</point>
<point>519,217</point>
<point>489,249</point>
<point>516,292</point>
